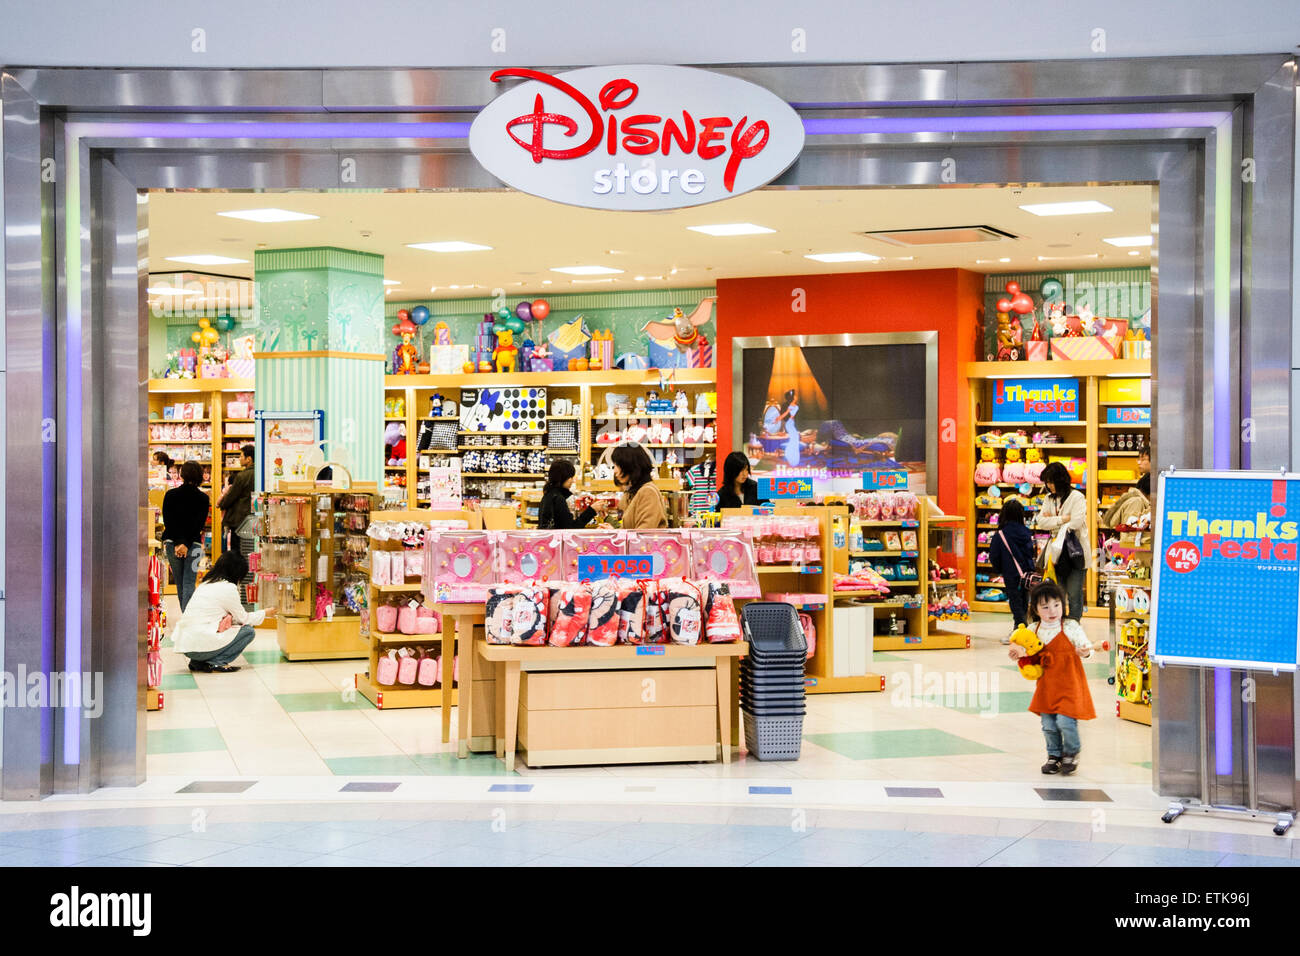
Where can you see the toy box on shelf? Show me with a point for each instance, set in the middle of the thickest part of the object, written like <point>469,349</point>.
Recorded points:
<point>412,662</point>
<point>312,566</point>
<point>1125,574</point>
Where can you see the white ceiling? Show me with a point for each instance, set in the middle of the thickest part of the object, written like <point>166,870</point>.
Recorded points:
<point>530,236</point>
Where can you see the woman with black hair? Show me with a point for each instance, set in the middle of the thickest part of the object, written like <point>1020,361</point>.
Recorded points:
<point>554,511</point>
<point>1065,507</point>
<point>185,513</point>
<point>643,506</point>
<point>738,489</point>
<point>204,632</point>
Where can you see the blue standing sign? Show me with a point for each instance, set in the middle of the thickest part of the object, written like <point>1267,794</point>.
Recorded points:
<point>1226,582</point>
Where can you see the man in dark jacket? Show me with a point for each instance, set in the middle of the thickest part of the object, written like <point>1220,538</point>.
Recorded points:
<point>236,502</point>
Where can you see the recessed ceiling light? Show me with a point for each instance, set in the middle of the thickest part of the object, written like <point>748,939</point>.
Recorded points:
<point>388,292</point>
<point>731,229</point>
<point>638,278</point>
<point>206,260</point>
<point>546,282</point>
<point>1125,241</point>
<point>171,290</point>
<point>392,282</point>
<point>433,288</point>
<point>843,257</point>
<point>1066,208</point>
<point>268,215</point>
<point>1135,252</point>
<point>1005,259</point>
<point>586,270</point>
<point>589,281</point>
<point>453,287</point>
<point>1091,255</point>
<point>454,245</point>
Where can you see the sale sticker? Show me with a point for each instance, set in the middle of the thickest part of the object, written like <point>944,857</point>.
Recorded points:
<point>786,488</point>
<point>884,480</point>
<point>595,567</point>
<point>1182,557</point>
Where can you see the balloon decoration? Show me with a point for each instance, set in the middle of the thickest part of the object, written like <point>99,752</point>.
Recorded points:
<point>525,311</point>
<point>1052,291</point>
<point>419,315</point>
<point>504,312</point>
<point>225,323</point>
<point>1018,302</point>
<point>404,315</point>
<point>514,324</point>
<point>541,309</point>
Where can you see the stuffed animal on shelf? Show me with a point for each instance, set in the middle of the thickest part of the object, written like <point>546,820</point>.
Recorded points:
<point>1010,338</point>
<point>1031,665</point>
<point>987,471</point>
<point>1014,469</point>
<point>1056,316</point>
<point>1034,466</point>
<point>506,353</point>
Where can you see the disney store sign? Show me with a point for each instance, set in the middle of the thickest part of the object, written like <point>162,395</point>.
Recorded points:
<point>635,137</point>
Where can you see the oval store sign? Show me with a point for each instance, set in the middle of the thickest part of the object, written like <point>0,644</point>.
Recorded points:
<point>635,137</point>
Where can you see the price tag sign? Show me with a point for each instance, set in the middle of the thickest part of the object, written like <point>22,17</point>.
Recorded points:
<point>884,480</point>
<point>1225,539</point>
<point>786,488</point>
<point>595,567</point>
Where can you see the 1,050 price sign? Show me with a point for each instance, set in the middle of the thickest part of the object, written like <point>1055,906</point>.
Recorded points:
<point>594,567</point>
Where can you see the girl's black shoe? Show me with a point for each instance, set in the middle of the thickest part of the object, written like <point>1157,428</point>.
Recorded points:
<point>1053,765</point>
<point>1069,764</point>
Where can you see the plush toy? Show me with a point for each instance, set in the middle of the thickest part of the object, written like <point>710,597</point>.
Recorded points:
<point>395,442</point>
<point>1034,466</point>
<point>506,352</point>
<point>1014,469</point>
<point>1031,665</point>
<point>1056,316</point>
<point>1010,338</point>
<point>987,471</point>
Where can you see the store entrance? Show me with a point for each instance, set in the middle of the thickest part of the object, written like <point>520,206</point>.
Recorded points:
<point>776,264</point>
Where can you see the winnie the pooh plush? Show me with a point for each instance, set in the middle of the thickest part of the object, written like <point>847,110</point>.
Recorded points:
<point>1031,665</point>
<point>506,351</point>
<point>987,471</point>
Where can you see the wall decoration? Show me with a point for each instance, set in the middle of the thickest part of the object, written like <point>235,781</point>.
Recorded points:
<point>503,410</point>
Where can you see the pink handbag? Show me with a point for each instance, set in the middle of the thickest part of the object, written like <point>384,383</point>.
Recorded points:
<point>407,620</point>
<point>428,673</point>
<point>386,673</point>
<point>406,667</point>
<point>386,618</point>
<point>427,621</point>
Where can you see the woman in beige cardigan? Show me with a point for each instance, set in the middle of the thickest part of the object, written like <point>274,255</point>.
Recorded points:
<point>643,506</point>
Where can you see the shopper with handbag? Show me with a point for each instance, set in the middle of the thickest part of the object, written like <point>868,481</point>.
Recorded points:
<point>185,513</point>
<point>1065,514</point>
<point>1011,552</point>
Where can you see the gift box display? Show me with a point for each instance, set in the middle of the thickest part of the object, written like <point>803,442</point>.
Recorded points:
<point>1036,351</point>
<point>1083,348</point>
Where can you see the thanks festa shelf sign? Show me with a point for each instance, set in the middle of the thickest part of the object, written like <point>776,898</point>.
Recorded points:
<point>635,137</point>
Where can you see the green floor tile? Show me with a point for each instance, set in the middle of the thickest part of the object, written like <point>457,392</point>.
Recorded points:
<point>321,700</point>
<point>881,656</point>
<point>1006,702</point>
<point>475,765</point>
<point>389,765</point>
<point>1144,763</point>
<point>880,744</point>
<point>262,658</point>
<point>195,740</point>
<point>178,682</point>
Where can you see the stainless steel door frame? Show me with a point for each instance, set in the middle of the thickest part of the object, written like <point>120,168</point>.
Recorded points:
<point>1199,296</point>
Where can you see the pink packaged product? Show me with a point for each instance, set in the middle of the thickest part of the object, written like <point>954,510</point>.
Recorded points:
<point>406,619</point>
<point>407,666</point>
<point>722,622</point>
<point>463,565</point>
<point>683,604</point>
<point>654,613</point>
<point>578,543</point>
<point>631,612</point>
<point>603,621</point>
<point>725,555</point>
<point>414,566</point>
<point>427,620</point>
<point>386,619</point>
<point>810,633</point>
<point>529,556</point>
<point>455,670</point>
<point>380,568</point>
<point>672,546</point>
<point>386,673</point>
<point>570,607</point>
<point>427,675</point>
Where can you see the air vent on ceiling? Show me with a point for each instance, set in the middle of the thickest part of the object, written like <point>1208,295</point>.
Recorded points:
<point>941,235</point>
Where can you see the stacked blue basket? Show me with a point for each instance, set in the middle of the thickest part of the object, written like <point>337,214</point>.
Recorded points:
<point>772,680</point>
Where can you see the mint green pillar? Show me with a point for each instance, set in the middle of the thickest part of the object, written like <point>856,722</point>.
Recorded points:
<point>320,318</point>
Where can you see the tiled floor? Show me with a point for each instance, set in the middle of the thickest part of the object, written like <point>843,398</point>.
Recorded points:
<point>279,765</point>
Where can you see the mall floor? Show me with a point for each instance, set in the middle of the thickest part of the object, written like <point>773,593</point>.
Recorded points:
<point>275,765</point>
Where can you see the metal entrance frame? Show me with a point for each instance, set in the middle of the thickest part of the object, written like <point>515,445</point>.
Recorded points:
<point>78,145</point>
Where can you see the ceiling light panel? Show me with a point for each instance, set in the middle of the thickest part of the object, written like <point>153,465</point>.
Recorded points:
<point>587,270</point>
<point>268,215</point>
<point>206,260</point>
<point>731,229</point>
<point>1083,208</point>
<point>1125,241</point>
<point>454,245</point>
<point>843,257</point>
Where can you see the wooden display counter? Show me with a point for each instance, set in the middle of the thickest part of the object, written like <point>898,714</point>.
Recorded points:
<point>302,639</point>
<point>584,706</point>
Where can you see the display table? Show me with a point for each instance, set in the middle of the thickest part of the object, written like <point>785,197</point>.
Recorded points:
<point>596,705</point>
<point>302,639</point>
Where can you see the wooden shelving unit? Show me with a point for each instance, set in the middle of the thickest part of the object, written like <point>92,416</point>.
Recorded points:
<point>395,696</point>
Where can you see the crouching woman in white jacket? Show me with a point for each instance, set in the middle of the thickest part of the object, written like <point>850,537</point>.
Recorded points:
<point>214,628</point>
